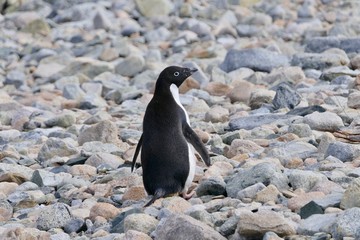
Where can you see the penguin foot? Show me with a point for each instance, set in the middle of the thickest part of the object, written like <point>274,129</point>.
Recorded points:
<point>187,196</point>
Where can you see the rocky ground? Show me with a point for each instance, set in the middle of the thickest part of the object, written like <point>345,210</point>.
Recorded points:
<point>276,100</point>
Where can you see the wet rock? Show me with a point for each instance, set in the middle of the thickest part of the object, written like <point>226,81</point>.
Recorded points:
<point>185,227</point>
<point>257,59</point>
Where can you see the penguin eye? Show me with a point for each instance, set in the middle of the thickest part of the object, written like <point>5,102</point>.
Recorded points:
<point>176,74</point>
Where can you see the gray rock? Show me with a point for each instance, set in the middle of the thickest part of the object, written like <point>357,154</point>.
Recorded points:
<point>73,91</point>
<point>64,120</point>
<point>334,72</point>
<point>330,200</point>
<point>303,179</point>
<point>257,59</point>
<point>217,114</point>
<point>319,44</point>
<point>131,65</point>
<point>326,121</point>
<point>346,224</point>
<point>323,224</point>
<point>117,224</point>
<point>354,100</point>
<point>48,179</point>
<point>184,228</point>
<point>286,97</point>
<point>302,130</point>
<point>211,186</point>
<point>154,8</point>
<point>320,61</point>
<point>53,216</point>
<point>6,210</point>
<point>15,77</point>
<point>89,148</point>
<point>265,173</point>
<point>140,222</point>
<point>351,197</point>
<point>229,226</point>
<point>74,225</point>
<point>199,213</point>
<point>102,20</point>
<point>159,34</point>
<point>303,111</point>
<point>251,191</point>
<point>56,148</point>
<point>289,150</point>
<point>105,131</point>
<point>250,122</point>
<point>257,224</point>
<point>60,236</point>
<point>104,158</point>
<point>19,170</point>
<point>90,101</point>
<point>343,151</point>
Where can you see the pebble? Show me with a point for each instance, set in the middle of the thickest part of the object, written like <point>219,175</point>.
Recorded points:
<point>275,100</point>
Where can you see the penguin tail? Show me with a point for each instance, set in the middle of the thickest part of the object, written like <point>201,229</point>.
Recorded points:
<point>158,194</point>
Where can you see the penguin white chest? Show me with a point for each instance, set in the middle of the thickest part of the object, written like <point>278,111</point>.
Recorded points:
<point>191,153</point>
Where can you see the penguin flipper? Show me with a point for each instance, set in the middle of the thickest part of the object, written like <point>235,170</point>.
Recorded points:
<point>194,140</point>
<point>137,150</point>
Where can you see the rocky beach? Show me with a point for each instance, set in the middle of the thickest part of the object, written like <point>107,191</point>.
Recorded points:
<point>276,101</point>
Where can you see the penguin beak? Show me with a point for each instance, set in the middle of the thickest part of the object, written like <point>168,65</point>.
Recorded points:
<point>188,72</point>
<point>193,70</point>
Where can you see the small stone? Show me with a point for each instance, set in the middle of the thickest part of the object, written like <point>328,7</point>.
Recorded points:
<point>309,209</point>
<point>269,193</point>
<point>136,235</point>
<point>257,224</point>
<point>105,210</point>
<point>176,204</point>
<point>239,146</point>
<point>105,158</point>
<point>211,186</point>
<point>101,20</point>
<point>301,130</point>
<point>343,151</point>
<point>286,97</point>
<point>297,202</point>
<point>261,96</point>
<point>217,114</point>
<point>53,216</point>
<point>6,210</point>
<point>74,226</point>
<point>323,222</point>
<point>56,148</point>
<point>354,100</point>
<point>184,228</point>
<point>251,191</point>
<point>140,222</point>
<point>257,59</point>
<point>346,224</point>
<point>16,78</point>
<point>38,26</point>
<point>326,121</point>
<point>65,120</point>
<point>229,226</point>
<point>217,89</point>
<point>304,179</point>
<point>351,197</point>
<point>134,193</point>
<point>154,8</point>
<point>241,92</point>
<point>105,131</point>
<point>131,66</point>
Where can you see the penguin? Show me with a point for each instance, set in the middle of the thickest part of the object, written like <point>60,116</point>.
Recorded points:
<point>168,143</point>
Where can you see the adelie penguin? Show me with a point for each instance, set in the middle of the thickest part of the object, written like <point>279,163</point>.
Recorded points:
<point>167,143</point>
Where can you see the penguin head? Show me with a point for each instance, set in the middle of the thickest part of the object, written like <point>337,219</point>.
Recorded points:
<point>175,75</point>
